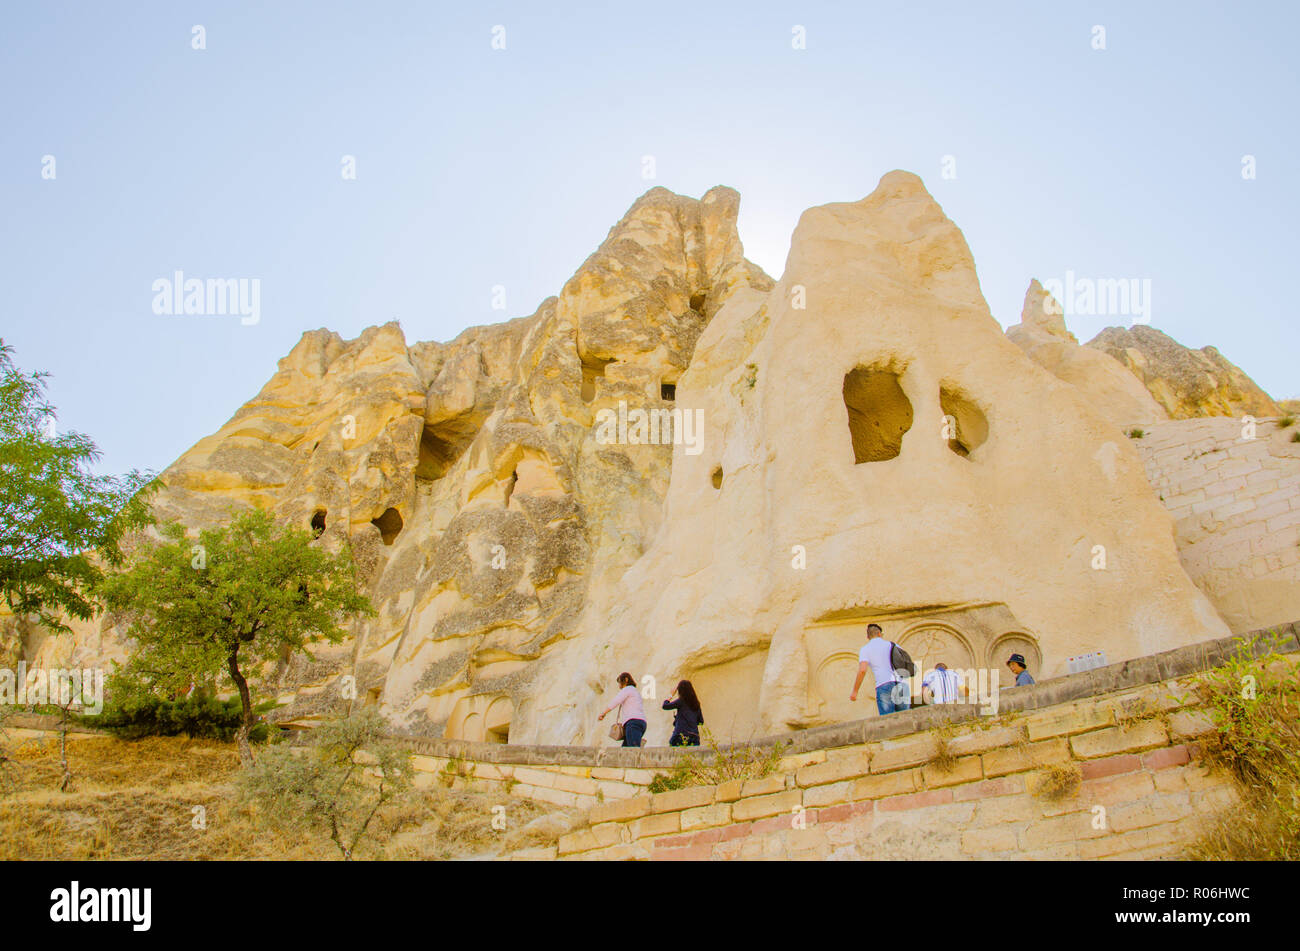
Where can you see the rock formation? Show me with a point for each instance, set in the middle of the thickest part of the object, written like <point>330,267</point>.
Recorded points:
<point>681,469</point>
<point>1106,386</point>
<point>1187,383</point>
<point>868,416</point>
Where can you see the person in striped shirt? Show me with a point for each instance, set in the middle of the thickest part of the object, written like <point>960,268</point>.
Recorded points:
<point>942,685</point>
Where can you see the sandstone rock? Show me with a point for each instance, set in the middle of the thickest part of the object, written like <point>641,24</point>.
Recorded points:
<point>1107,387</point>
<point>1185,382</point>
<point>873,447</point>
<point>827,436</point>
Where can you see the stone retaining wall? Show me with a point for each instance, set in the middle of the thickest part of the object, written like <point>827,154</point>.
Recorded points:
<point>940,782</point>
<point>1140,792</point>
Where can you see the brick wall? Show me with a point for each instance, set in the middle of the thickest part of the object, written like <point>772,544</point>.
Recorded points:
<point>879,788</point>
<point>1142,791</point>
<point>1236,507</point>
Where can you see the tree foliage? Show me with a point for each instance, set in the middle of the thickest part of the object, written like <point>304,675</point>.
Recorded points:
<point>336,785</point>
<point>209,611</point>
<point>61,525</point>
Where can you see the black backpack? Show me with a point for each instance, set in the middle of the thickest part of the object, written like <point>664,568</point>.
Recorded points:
<point>900,659</point>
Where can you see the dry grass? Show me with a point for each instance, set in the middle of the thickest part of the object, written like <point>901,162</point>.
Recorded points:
<point>1254,704</point>
<point>136,800</point>
<point>1056,782</point>
<point>943,759</point>
<point>737,761</point>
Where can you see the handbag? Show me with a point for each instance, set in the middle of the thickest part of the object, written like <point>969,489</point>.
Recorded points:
<point>616,731</point>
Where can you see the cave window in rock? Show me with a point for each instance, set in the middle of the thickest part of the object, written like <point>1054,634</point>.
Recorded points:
<point>593,369</point>
<point>389,524</point>
<point>964,424</point>
<point>318,523</point>
<point>697,302</point>
<point>441,445</point>
<point>496,721</point>
<point>668,392</point>
<point>716,478</point>
<point>879,413</point>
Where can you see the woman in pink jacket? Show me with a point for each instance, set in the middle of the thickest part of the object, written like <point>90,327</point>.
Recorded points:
<point>630,711</point>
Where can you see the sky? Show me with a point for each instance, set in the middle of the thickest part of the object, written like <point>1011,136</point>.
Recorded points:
<point>1150,142</point>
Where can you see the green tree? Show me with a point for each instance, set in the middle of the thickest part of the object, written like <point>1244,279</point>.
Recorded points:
<point>60,524</point>
<point>229,602</point>
<point>336,786</point>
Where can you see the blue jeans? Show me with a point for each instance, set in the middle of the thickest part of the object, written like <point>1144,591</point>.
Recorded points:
<point>633,730</point>
<point>892,697</point>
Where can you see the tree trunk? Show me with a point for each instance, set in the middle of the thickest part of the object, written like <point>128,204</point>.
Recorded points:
<point>245,728</point>
<point>66,780</point>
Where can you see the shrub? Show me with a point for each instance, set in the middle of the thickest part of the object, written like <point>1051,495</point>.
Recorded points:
<point>1285,421</point>
<point>1136,433</point>
<point>336,786</point>
<point>737,761</point>
<point>141,715</point>
<point>1254,704</point>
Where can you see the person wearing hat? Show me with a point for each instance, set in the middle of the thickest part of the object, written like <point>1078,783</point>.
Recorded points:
<point>1018,670</point>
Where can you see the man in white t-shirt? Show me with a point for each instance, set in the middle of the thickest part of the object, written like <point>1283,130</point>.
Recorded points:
<point>892,692</point>
<point>942,685</point>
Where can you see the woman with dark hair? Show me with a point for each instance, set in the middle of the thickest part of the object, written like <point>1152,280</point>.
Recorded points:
<point>631,714</point>
<point>689,716</point>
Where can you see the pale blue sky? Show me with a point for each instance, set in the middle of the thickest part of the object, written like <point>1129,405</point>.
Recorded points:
<point>478,167</point>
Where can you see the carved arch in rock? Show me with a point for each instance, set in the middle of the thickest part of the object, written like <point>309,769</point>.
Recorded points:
<point>930,642</point>
<point>1015,642</point>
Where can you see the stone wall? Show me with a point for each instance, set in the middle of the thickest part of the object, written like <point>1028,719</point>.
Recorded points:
<point>938,782</point>
<point>1236,506</point>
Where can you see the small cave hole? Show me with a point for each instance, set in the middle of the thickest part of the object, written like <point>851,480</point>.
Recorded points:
<point>964,424</point>
<point>318,523</point>
<point>668,392</point>
<point>879,413</point>
<point>389,524</point>
<point>441,446</point>
<point>697,302</point>
<point>593,369</point>
<point>716,478</point>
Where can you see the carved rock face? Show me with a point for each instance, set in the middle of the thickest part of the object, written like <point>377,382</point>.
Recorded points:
<point>465,476</point>
<point>870,446</point>
<point>829,406</point>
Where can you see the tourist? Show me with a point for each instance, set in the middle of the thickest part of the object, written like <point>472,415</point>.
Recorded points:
<point>631,714</point>
<point>891,692</point>
<point>942,685</point>
<point>689,716</point>
<point>1018,670</point>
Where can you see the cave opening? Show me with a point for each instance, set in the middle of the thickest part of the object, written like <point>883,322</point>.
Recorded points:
<point>441,446</point>
<point>593,369</point>
<point>965,424</point>
<point>879,413</point>
<point>389,525</point>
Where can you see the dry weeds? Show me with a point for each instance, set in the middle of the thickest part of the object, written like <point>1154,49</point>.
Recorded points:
<point>137,799</point>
